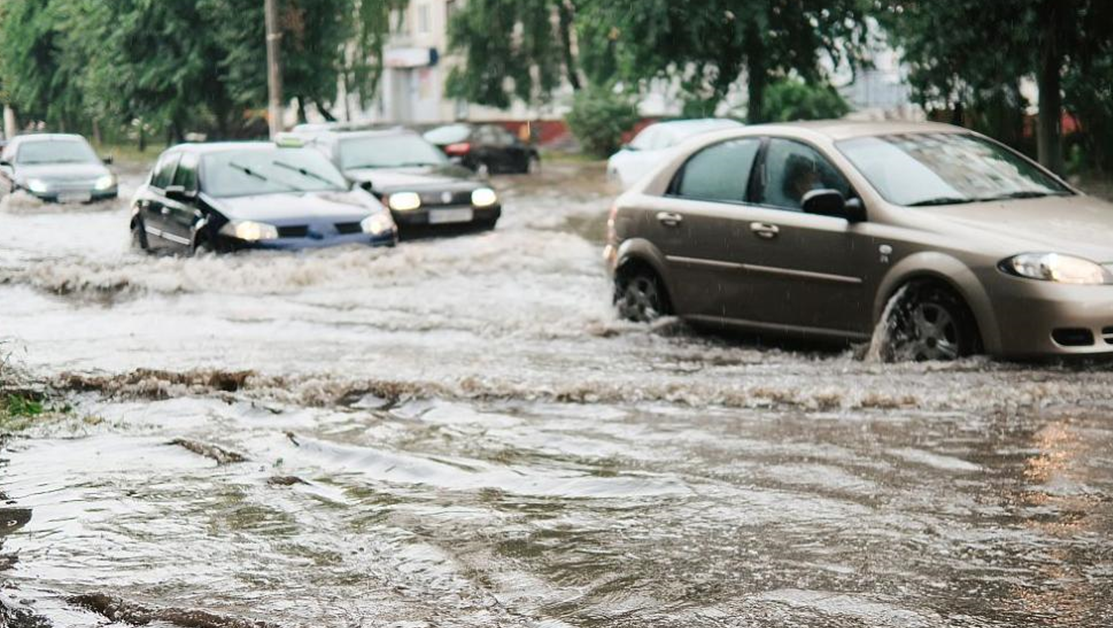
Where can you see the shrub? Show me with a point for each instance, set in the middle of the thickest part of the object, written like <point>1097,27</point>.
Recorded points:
<point>791,99</point>
<point>600,117</point>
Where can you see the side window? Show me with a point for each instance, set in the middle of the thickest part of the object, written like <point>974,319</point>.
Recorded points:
<point>186,174</point>
<point>502,136</point>
<point>720,172</point>
<point>164,171</point>
<point>792,169</point>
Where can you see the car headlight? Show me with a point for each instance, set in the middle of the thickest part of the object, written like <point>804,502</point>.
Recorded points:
<point>250,230</point>
<point>484,197</point>
<point>38,186</point>
<point>377,224</point>
<point>104,183</point>
<point>404,201</point>
<point>1056,267</point>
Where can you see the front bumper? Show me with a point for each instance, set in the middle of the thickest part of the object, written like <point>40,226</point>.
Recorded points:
<point>1039,318</point>
<point>421,217</point>
<point>57,196</point>
<point>228,244</point>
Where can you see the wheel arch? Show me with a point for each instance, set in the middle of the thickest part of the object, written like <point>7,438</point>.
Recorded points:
<point>953,275</point>
<point>637,252</point>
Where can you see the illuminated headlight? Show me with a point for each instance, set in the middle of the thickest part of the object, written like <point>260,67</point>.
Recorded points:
<point>105,183</point>
<point>484,197</point>
<point>250,231</point>
<point>377,224</point>
<point>1056,267</point>
<point>404,201</point>
<point>38,186</point>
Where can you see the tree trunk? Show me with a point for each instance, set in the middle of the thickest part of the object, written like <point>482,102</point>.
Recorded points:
<point>323,110</point>
<point>564,11</point>
<point>757,75</point>
<point>1049,126</point>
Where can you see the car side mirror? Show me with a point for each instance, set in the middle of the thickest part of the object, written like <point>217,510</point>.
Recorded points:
<point>7,167</point>
<point>107,160</point>
<point>179,193</point>
<point>833,203</point>
<point>366,185</point>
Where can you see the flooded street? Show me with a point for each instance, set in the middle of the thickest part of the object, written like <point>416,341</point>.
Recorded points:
<point>460,432</point>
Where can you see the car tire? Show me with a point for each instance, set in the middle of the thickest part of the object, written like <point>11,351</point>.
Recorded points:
<point>483,169</point>
<point>202,247</point>
<point>640,296</point>
<point>533,165</point>
<point>928,322</point>
<point>139,237</point>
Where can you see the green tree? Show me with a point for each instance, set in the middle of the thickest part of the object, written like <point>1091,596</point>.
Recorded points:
<point>599,118</point>
<point>39,81</point>
<point>792,99</point>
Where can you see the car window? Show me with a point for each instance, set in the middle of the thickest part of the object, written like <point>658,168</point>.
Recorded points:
<point>56,151</point>
<point>451,134</point>
<point>939,168</point>
<point>792,169</point>
<point>186,173</point>
<point>720,172</point>
<point>502,137</point>
<point>403,150</point>
<point>164,171</point>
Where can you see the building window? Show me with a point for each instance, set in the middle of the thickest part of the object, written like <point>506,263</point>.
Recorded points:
<point>423,15</point>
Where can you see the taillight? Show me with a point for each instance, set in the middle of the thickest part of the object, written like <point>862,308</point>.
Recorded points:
<point>462,148</point>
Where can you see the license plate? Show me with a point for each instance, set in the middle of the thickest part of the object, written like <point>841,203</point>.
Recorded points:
<point>441,216</point>
<point>74,197</point>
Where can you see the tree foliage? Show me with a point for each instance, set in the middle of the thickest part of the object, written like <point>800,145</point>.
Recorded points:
<point>791,99</point>
<point>599,118</point>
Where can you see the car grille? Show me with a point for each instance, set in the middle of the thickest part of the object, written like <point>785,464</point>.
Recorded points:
<point>435,199</point>
<point>293,231</point>
<point>348,228</point>
<point>1107,335</point>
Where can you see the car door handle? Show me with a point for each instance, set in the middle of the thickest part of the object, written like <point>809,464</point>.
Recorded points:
<point>764,230</point>
<point>669,219</point>
<point>165,211</point>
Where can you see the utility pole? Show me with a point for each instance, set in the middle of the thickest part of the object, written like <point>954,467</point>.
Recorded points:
<point>274,68</point>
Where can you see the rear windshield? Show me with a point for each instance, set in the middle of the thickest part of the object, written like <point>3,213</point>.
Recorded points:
<point>252,172</point>
<point>68,151</point>
<point>450,134</point>
<point>921,169</point>
<point>389,151</point>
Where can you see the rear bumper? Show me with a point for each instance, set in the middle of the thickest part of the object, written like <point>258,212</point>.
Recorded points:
<point>1039,318</point>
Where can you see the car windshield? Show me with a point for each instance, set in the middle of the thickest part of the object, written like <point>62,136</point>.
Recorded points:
<point>388,151</point>
<point>252,172</point>
<point>68,151</point>
<point>450,134</point>
<point>923,169</point>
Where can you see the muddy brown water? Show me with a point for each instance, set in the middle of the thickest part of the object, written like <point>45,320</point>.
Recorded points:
<point>458,432</point>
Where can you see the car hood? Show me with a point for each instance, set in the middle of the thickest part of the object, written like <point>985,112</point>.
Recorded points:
<point>280,209</point>
<point>386,180</point>
<point>61,172</point>
<point>1077,225</point>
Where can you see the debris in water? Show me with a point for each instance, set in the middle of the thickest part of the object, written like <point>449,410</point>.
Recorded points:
<point>119,610</point>
<point>285,480</point>
<point>215,452</point>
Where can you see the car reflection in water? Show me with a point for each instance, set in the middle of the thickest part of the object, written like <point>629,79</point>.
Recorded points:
<point>232,196</point>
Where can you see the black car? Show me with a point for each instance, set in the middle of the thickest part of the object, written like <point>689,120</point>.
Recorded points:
<point>55,168</point>
<point>241,195</point>
<point>422,188</point>
<point>485,148</point>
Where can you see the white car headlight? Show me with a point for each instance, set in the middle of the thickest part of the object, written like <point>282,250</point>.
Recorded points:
<point>1056,267</point>
<point>105,183</point>
<point>377,224</point>
<point>404,201</point>
<point>250,231</point>
<point>38,186</point>
<point>484,197</point>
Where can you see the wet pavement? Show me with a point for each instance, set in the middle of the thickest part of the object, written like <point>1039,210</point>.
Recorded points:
<point>458,432</point>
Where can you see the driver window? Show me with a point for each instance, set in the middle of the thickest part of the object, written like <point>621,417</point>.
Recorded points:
<point>792,169</point>
<point>164,171</point>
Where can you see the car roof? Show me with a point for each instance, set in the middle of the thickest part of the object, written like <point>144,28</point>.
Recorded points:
<point>846,129</point>
<point>343,134</point>
<point>46,137</point>
<point>695,123</point>
<point>219,147</point>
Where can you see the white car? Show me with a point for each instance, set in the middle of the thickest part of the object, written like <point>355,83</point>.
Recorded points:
<point>653,144</point>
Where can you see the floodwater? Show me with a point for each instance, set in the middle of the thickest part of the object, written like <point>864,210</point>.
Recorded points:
<point>458,432</point>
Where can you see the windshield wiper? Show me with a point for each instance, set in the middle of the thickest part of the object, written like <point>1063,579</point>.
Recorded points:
<point>1023,194</point>
<point>942,200</point>
<point>248,171</point>
<point>305,173</point>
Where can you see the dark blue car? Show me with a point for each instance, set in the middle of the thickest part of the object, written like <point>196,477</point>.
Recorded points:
<point>258,195</point>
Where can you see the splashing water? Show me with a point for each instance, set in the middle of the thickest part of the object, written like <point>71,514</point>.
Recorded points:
<point>883,332</point>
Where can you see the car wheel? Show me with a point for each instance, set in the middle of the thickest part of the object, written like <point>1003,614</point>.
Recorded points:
<point>202,247</point>
<point>929,322</point>
<point>533,165</point>
<point>640,297</point>
<point>483,170</point>
<point>138,236</point>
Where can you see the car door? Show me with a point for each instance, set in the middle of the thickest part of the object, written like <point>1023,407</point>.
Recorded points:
<point>512,154</point>
<point>152,203</point>
<point>179,203</point>
<point>806,270</point>
<point>700,223</point>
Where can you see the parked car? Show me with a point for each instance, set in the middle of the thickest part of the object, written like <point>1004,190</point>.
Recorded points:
<point>411,176</point>
<point>253,195</point>
<point>487,148</point>
<point>651,147</point>
<point>56,168</point>
<point>956,243</point>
